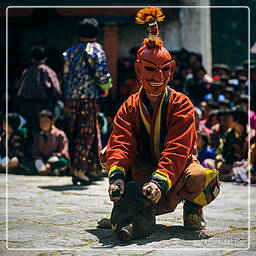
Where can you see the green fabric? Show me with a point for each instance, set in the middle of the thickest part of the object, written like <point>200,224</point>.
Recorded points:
<point>27,165</point>
<point>107,85</point>
<point>62,162</point>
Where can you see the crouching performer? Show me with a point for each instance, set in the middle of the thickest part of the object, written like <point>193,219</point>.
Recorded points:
<point>153,139</point>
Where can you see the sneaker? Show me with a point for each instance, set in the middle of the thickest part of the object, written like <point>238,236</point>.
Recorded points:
<point>104,223</point>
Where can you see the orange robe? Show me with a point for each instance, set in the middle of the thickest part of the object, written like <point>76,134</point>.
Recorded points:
<point>157,145</point>
<point>165,138</point>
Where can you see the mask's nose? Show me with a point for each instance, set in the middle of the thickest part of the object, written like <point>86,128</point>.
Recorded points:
<point>158,76</point>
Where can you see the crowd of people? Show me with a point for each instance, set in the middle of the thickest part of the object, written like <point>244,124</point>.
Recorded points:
<point>64,122</point>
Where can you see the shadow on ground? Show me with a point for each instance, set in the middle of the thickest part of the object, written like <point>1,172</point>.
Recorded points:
<point>64,187</point>
<point>161,232</point>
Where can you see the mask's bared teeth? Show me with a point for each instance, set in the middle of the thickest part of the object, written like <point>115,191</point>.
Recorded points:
<point>156,84</point>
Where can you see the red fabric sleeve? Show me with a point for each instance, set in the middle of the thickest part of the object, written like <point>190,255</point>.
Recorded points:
<point>122,144</point>
<point>180,139</point>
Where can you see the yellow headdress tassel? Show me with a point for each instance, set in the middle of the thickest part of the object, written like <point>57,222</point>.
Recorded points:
<point>151,16</point>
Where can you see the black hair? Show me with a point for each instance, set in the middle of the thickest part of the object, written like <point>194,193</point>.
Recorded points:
<point>218,67</point>
<point>13,120</point>
<point>223,112</point>
<point>88,28</point>
<point>204,137</point>
<point>213,113</point>
<point>38,52</point>
<point>215,85</point>
<point>240,115</point>
<point>213,105</point>
<point>197,55</point>
<point>244,98</point>
<point>46,113</point>
<point>134,50</point>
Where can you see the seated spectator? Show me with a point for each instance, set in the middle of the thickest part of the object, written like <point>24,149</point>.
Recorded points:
<point>219,129</point>
<point>209,122</point>
<point>253,160</point>
<point>50,147</point>
<point>228,94</point>
<point>205,154</point>
<point>240,71</point>
<point>225,104</point>
<point>243,85</point>
<point>17,154</point>
<point>243,101</point>
<point>233,147</point>
<point>221,70</point>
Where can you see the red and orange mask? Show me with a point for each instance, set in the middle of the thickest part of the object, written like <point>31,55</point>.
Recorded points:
<point>154,68</point>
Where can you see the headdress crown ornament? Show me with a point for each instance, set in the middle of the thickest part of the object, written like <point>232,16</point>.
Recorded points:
<point>151,16</point>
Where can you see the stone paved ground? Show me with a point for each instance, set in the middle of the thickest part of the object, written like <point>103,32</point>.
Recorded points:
<point>47,216</point>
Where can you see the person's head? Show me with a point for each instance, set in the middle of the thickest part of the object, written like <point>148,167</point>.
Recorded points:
<point>88,28</point>
<point>13,121</point>
<point>228,92</point>
<point>154,65</point>
<point>199,73</point>
<point>242,82</point>
<point>243,101</point>
<point>239,71</point>
<point>240,116</point>
<point>202,140</point>
<point>46,120</point>
<point>212,118</point>
<point>38,53</point>
<point>224,104</point>
<point>220,70</point>
<point>216,87</point>
<point>195,59</point>
<point>224,118</point>
<point>133,52</point>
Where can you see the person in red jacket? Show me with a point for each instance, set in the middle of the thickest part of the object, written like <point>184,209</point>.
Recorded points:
<point>154,136</point>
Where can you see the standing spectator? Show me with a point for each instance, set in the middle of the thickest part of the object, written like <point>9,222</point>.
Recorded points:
<point>86,77</point>
<point>50,147</point>
<point>39,88</point>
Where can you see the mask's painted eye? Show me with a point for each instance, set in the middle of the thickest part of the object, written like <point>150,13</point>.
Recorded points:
<point>149,68</point>
<point>165,69</point>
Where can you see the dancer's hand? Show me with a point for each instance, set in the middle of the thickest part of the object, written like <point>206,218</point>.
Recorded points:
<point>155,195</point>
<point>112,187</point>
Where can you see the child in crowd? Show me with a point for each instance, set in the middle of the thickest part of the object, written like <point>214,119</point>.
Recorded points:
<point>253,160</point>
<point>16,154</point>
<point>233,147</point>
<point>50,147</point>
<point>205,154</point>
<point>219,129</point>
